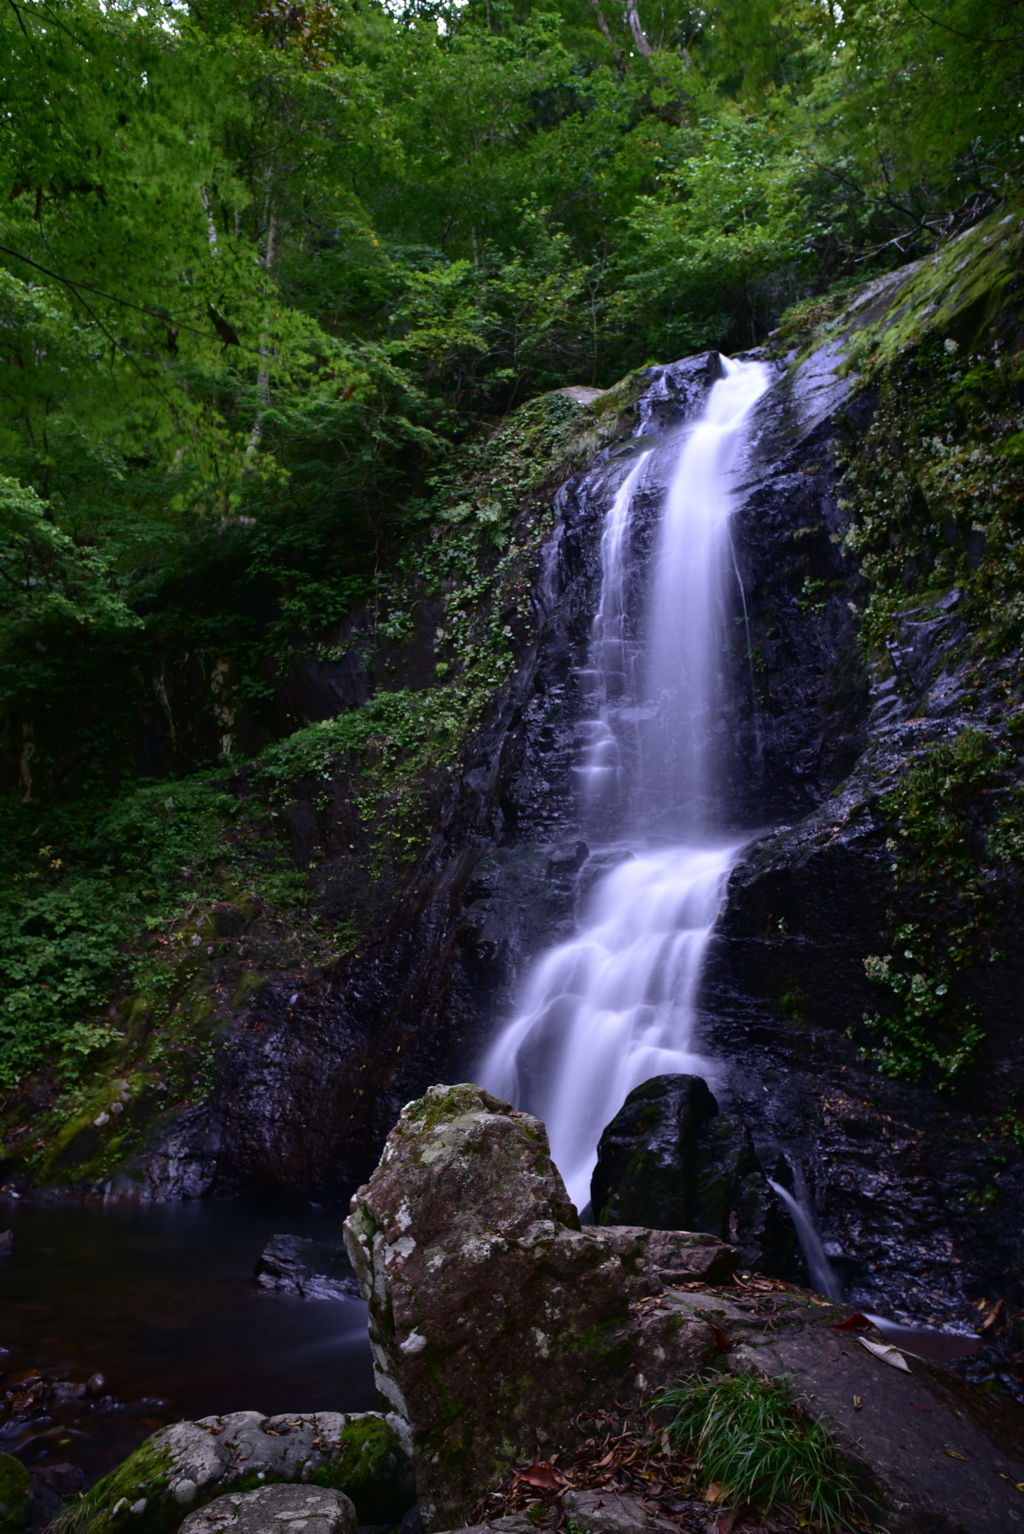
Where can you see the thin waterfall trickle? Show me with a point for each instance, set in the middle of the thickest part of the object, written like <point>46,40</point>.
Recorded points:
<point>614,1006</point>
<point>611,675</point>
<point>819,1269</point>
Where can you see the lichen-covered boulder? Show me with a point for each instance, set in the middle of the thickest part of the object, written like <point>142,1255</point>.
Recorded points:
<point>494,1318</point>
<point>183,1467</point>
<point>278,1509</point>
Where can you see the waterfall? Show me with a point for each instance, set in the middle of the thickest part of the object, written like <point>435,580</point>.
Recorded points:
<point>820,1271</point>
<point>610,677</point>
<point>613,1006</point>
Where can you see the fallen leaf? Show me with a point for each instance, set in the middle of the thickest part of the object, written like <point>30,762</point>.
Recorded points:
<point>854,1323</point>
<point>666,1447</point>
<point>857,1403</point>
<point>725,1521</point>
<point>542,1475</point>
<point>888,1355</point>
<point>918,1407</point>
<point>716,1492</point>
<point>723,1342</point>
<point>954,1455</point>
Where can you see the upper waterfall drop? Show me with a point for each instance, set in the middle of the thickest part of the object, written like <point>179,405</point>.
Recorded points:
<point>614,1006</point>
<point>684,683</point>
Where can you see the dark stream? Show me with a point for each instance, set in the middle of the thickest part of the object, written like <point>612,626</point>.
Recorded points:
<point>160,1301</point>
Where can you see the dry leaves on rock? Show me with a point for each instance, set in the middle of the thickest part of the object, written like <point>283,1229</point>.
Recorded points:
<point>632,1461</point>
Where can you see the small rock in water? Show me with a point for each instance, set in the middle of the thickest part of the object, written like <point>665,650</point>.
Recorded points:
<point>95,1386</point>
<point>272,1509</point>
<point>310,1269</point>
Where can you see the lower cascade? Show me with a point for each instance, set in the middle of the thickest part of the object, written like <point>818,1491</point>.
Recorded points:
<point>614,1005</point>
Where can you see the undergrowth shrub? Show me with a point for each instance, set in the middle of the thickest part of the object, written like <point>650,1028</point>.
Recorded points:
<point>749,1438</point>
<point>78,890</point>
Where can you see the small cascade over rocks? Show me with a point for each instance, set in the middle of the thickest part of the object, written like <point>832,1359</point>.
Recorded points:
<point>613,1006</point>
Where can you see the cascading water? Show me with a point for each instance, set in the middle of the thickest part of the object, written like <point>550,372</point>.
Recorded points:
<point>614,1006</point>
<point>610,677</point>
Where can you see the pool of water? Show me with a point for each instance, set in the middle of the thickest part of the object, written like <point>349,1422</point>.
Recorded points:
<point>160,1302</point>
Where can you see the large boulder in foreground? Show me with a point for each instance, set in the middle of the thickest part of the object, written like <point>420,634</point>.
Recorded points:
<point>181,1468</point>
<point>671,1160</point>
<point>495,1319</point>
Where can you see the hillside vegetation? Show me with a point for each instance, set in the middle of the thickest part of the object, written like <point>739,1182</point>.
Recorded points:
<point>286,295</point>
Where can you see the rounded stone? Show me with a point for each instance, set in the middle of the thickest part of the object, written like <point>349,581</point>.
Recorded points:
<point>280,1509</point>
<point>184,1491</point>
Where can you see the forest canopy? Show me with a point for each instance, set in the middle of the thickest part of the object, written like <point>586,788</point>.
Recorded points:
<point>263,264</point>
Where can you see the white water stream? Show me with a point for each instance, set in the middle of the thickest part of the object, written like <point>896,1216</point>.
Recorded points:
<point>614,1006</point>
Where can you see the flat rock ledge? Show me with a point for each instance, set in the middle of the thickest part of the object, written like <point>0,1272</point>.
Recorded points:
<point>495,1320</point>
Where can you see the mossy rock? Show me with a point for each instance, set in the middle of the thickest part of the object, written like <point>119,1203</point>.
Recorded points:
<point>15,1494</point>
<point>370,1467</point>
<point>968,287</point>
<point>181,1468</point>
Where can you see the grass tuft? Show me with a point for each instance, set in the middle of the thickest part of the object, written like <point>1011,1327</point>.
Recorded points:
<point>761,1449</point>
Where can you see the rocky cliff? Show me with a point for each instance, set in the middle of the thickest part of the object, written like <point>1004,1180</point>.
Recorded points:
<point>864,985</point>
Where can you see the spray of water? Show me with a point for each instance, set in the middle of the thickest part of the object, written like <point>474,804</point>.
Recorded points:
<point>614,1006</point>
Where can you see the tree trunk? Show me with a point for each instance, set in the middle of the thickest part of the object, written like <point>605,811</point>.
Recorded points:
<point>639,35</point>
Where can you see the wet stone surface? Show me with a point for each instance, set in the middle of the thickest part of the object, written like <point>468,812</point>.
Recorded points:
<point>669,1159</point>
<point>312,1270</point>
<point>494,1318</point>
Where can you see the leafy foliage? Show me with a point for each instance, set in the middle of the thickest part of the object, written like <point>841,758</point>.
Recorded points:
<point>271,278</point>
<point>76,894</point>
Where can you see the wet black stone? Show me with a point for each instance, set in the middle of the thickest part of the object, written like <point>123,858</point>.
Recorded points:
<point>670,1160</point>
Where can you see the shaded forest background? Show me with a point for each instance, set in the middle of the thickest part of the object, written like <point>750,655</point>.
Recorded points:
<point>267,271</point>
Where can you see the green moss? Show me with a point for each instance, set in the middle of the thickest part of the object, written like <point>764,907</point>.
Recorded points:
<point>930,1026</point>
<point>370,1467</point>
<point>964,290</point>
<point>15,1494</point>
<point>932,493</point>
<point>145,1473</point>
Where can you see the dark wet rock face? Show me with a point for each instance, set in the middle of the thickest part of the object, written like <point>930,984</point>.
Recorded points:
<point>670,1160</point>
<point>920,1196</point>
<point>494,1318</point>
